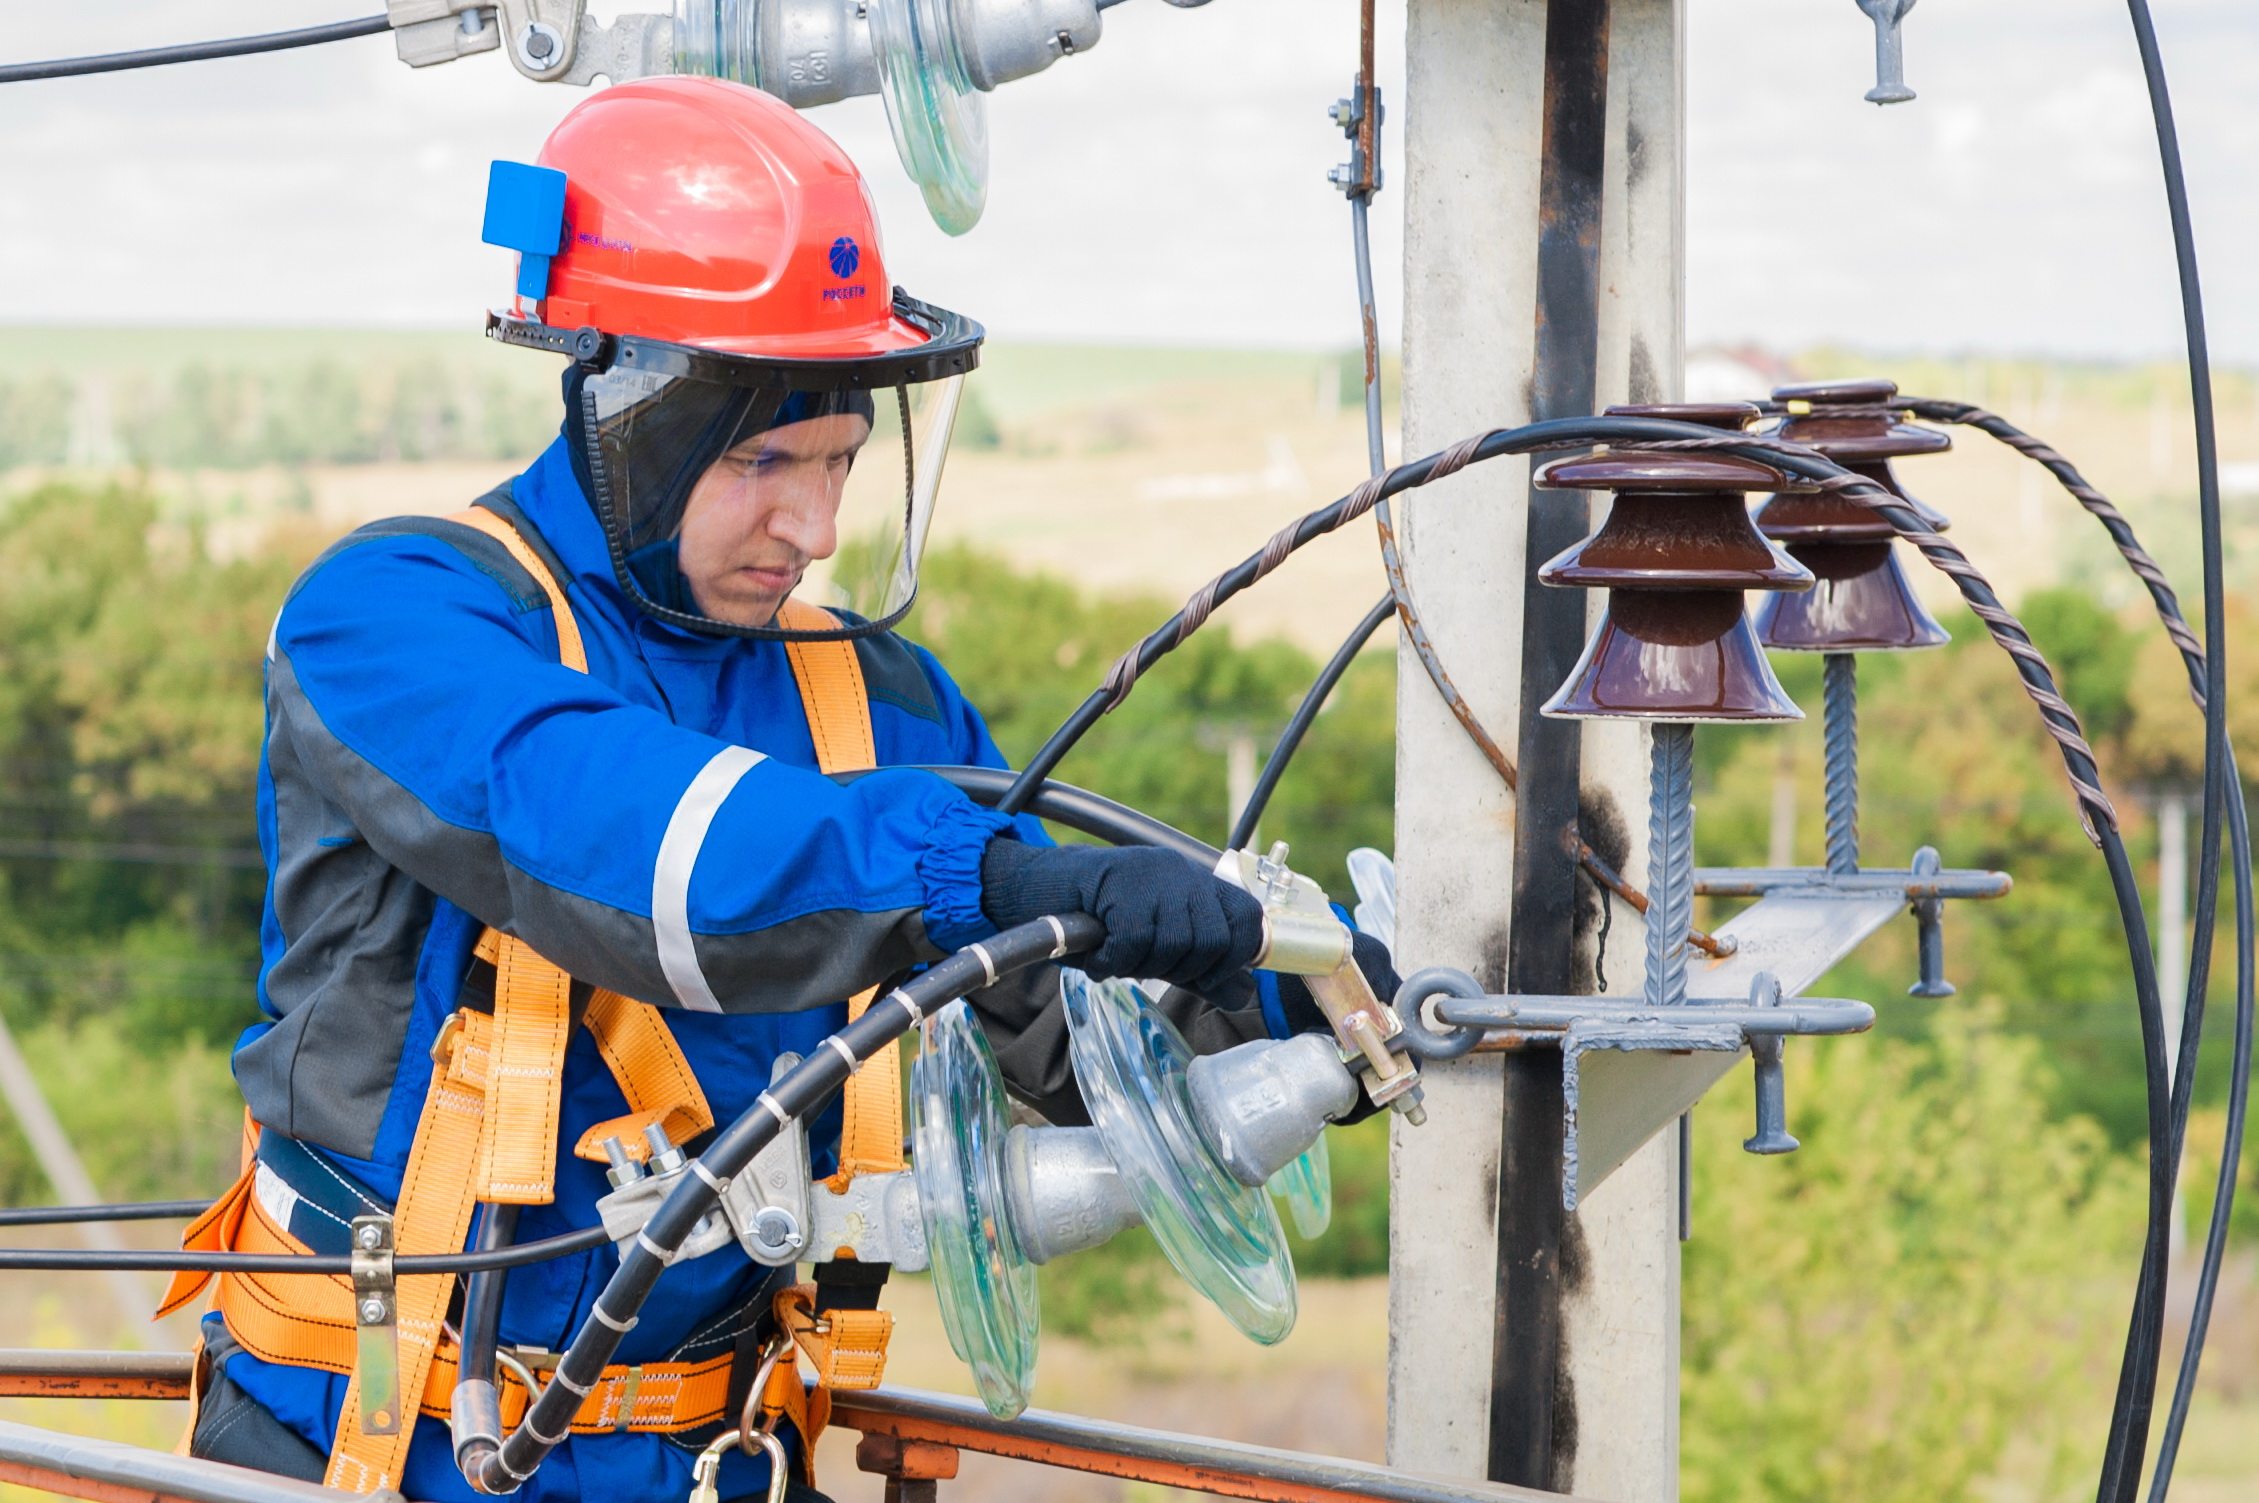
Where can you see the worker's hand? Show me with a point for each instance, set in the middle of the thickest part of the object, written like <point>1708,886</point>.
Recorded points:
<point>1302,1012</point>
<point>1166,919</point>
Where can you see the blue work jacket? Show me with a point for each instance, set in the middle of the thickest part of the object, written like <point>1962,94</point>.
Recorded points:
<point>430,769</point>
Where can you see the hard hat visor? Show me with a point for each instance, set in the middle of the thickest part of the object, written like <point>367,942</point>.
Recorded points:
<point>726,483</point>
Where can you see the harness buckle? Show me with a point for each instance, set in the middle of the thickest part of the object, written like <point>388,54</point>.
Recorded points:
<point>443,1047</point>
<point>376,1331</point>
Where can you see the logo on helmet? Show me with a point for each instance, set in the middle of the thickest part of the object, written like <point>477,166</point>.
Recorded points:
<point>845,257</point>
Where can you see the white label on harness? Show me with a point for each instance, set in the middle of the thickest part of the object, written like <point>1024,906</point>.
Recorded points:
<point>276,1198</point>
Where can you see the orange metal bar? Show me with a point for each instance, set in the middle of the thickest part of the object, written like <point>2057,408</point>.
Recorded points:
<point>91,1386</point>
<point>904,1415</point>
<point>1045,1453</point>
<point>65,1485</point>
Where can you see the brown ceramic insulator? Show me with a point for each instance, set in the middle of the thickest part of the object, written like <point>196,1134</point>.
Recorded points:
<point>1676,552</point>
<point>1677,541</point>
<point>1679,521</point>
<point>1861,603</point>
<point>1675,655</point>
<point>1863,442</point>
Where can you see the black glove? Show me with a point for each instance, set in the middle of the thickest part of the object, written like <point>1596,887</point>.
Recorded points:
<point>1302,1012</point>
<point>1166,919</point>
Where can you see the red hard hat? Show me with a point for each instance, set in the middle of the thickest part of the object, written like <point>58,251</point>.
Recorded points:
<point>702,212</point>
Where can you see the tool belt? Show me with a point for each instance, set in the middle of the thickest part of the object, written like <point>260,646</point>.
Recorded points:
<point>489,1131</point>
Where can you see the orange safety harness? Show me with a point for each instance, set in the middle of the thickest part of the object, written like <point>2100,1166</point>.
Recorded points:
<point>488,1133</point>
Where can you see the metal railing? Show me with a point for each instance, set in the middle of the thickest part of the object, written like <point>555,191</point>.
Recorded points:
<point>109,1470</point>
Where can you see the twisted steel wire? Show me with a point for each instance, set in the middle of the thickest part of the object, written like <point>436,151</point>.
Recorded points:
<point>2178,631</point>
<point>1670,861</point>
<point>2113,521</point>
<point>1840,683</point>
<point>2057,718</point>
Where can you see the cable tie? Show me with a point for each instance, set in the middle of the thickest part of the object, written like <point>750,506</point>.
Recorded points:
<point>643,1239</point>
<point>604,1318</point>
<point>910,1006</point>
<point>1058,935</point>
<point>775,1109</point>
<point>839,1046</point>
<point>718,1185</point>
<point>987,962</point>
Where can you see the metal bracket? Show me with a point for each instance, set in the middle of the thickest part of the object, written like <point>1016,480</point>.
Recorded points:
<point>427,32</point>
<point>636,45</point>
<point>1716,1026</point>
<point>876,1218</point>
<point>1302,936</point>
<point>541,36</point>
<point>376,1331</point>
<point>767,1203</point>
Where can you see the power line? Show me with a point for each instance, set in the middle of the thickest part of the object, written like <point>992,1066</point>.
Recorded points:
<point>194,52</point>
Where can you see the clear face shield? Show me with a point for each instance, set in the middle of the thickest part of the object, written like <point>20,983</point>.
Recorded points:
<point>732,488</point>
<point>722,501</point>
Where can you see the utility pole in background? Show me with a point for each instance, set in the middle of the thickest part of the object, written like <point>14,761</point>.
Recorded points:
<point>1544,232</point>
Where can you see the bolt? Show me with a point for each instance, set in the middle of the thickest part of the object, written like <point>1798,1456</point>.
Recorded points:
<point>1066,40</point>
<point>370,1238</point>
<point>1890,51</point>
<point>1343,113</point>
<point>473,23</point>
<point>538,44</point>
<point>372,1311</point>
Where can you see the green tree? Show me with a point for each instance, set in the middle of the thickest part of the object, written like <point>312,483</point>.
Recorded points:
<point>1932,1276</point>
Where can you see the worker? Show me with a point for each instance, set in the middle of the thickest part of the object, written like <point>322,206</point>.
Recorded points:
<point>551,829</point>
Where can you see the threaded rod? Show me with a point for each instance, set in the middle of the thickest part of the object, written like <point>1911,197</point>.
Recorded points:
<point>1670,863</point>
<point>1842,686</point>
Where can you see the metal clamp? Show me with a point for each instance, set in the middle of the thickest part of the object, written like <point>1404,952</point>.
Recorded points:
<point>542,36</point>
<point>426,32</point>
<point>1759,1023</point>
<point>1302,936</point>
<point>376,1330</point>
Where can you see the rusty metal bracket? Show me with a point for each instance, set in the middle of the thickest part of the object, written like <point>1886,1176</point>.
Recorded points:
<point>376,1329</point>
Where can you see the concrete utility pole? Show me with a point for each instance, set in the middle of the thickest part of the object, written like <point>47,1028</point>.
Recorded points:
<point>1544,236</point>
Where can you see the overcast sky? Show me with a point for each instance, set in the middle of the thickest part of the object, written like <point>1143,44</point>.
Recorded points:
<point>1169,185</point>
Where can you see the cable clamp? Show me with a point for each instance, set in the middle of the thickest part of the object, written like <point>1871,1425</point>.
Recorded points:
<point>376,1331</point>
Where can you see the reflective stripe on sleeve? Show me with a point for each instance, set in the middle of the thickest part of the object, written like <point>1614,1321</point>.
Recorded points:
<point>670,876</point>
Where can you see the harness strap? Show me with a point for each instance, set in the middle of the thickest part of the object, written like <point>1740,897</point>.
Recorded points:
<point>570,652</point>
<point>437,1194</point>
<point>837,703</point>
<point>533,1019</point>
<point>847,1347</point>
<point>653,1073</point>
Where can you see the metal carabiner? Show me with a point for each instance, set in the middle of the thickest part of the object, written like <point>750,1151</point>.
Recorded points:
<point>705,1472</point>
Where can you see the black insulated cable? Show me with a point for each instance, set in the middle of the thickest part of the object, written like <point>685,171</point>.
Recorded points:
<point>2193,658</point>
<point>407,1265</point>
<point>140,1210</point>
<point>1290,739</point>
<point>2121,1475</point>
<point>804,1091</point>
<point>194,52</point>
